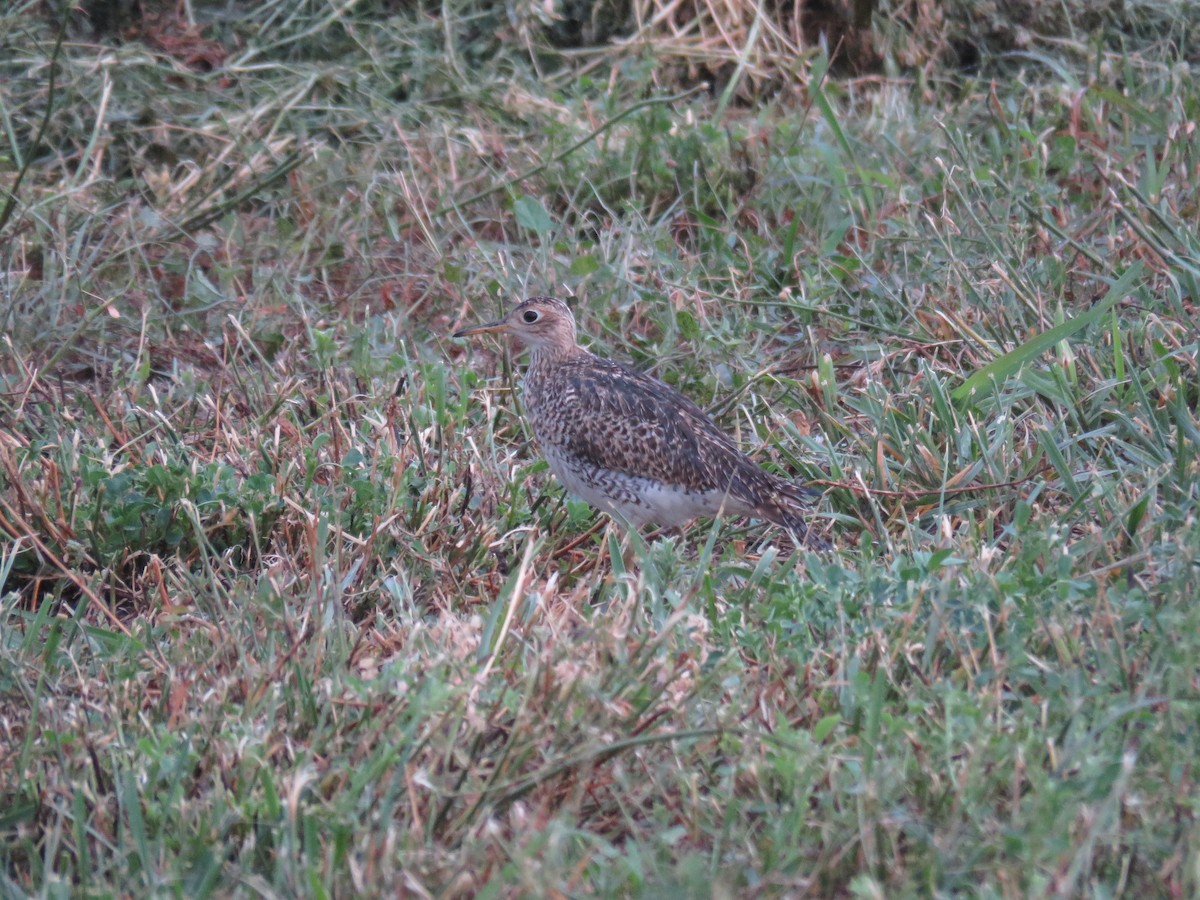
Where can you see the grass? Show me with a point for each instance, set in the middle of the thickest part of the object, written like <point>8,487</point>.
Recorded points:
<point>290,606</point>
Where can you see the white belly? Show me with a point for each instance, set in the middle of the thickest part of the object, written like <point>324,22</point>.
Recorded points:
<point>636,500</point>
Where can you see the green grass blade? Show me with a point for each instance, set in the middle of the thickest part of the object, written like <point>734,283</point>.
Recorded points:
<point>1004,367</point>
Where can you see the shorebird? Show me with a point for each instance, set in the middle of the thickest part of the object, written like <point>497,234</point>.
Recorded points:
<point>629,444</point>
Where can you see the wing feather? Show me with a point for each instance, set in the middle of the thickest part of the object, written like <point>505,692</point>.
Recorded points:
<point>629,422</point>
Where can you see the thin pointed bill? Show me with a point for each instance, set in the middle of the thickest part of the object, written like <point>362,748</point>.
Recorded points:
<point>490,327</point>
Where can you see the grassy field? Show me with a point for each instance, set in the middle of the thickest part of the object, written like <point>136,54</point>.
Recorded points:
<point>290,605</point>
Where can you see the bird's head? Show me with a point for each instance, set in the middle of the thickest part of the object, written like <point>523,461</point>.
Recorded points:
<point>544,324</point>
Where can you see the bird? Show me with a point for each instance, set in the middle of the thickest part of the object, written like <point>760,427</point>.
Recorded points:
<point>631,445</point>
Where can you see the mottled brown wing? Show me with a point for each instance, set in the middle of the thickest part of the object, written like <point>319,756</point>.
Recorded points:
<point>628,422</point>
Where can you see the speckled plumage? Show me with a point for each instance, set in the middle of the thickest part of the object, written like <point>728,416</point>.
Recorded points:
<point>629,444</point>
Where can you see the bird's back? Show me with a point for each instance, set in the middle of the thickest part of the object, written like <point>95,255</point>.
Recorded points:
<point>608,430</point>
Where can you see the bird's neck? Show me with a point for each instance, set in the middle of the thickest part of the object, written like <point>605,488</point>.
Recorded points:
<point>551,355</point>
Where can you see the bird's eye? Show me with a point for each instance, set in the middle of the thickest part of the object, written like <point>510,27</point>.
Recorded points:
<point>531,316</point>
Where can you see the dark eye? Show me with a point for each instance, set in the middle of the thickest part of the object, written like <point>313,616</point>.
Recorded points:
<point>530,316</point>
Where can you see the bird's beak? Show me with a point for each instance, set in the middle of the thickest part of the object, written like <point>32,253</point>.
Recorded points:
<point>499,325</point>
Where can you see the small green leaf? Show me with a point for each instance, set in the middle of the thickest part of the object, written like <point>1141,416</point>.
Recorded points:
<point>532,215</point>
<point>826,725</point>
<point>1136,515</point>
<point>688,326</point>
<point>584,265</point>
